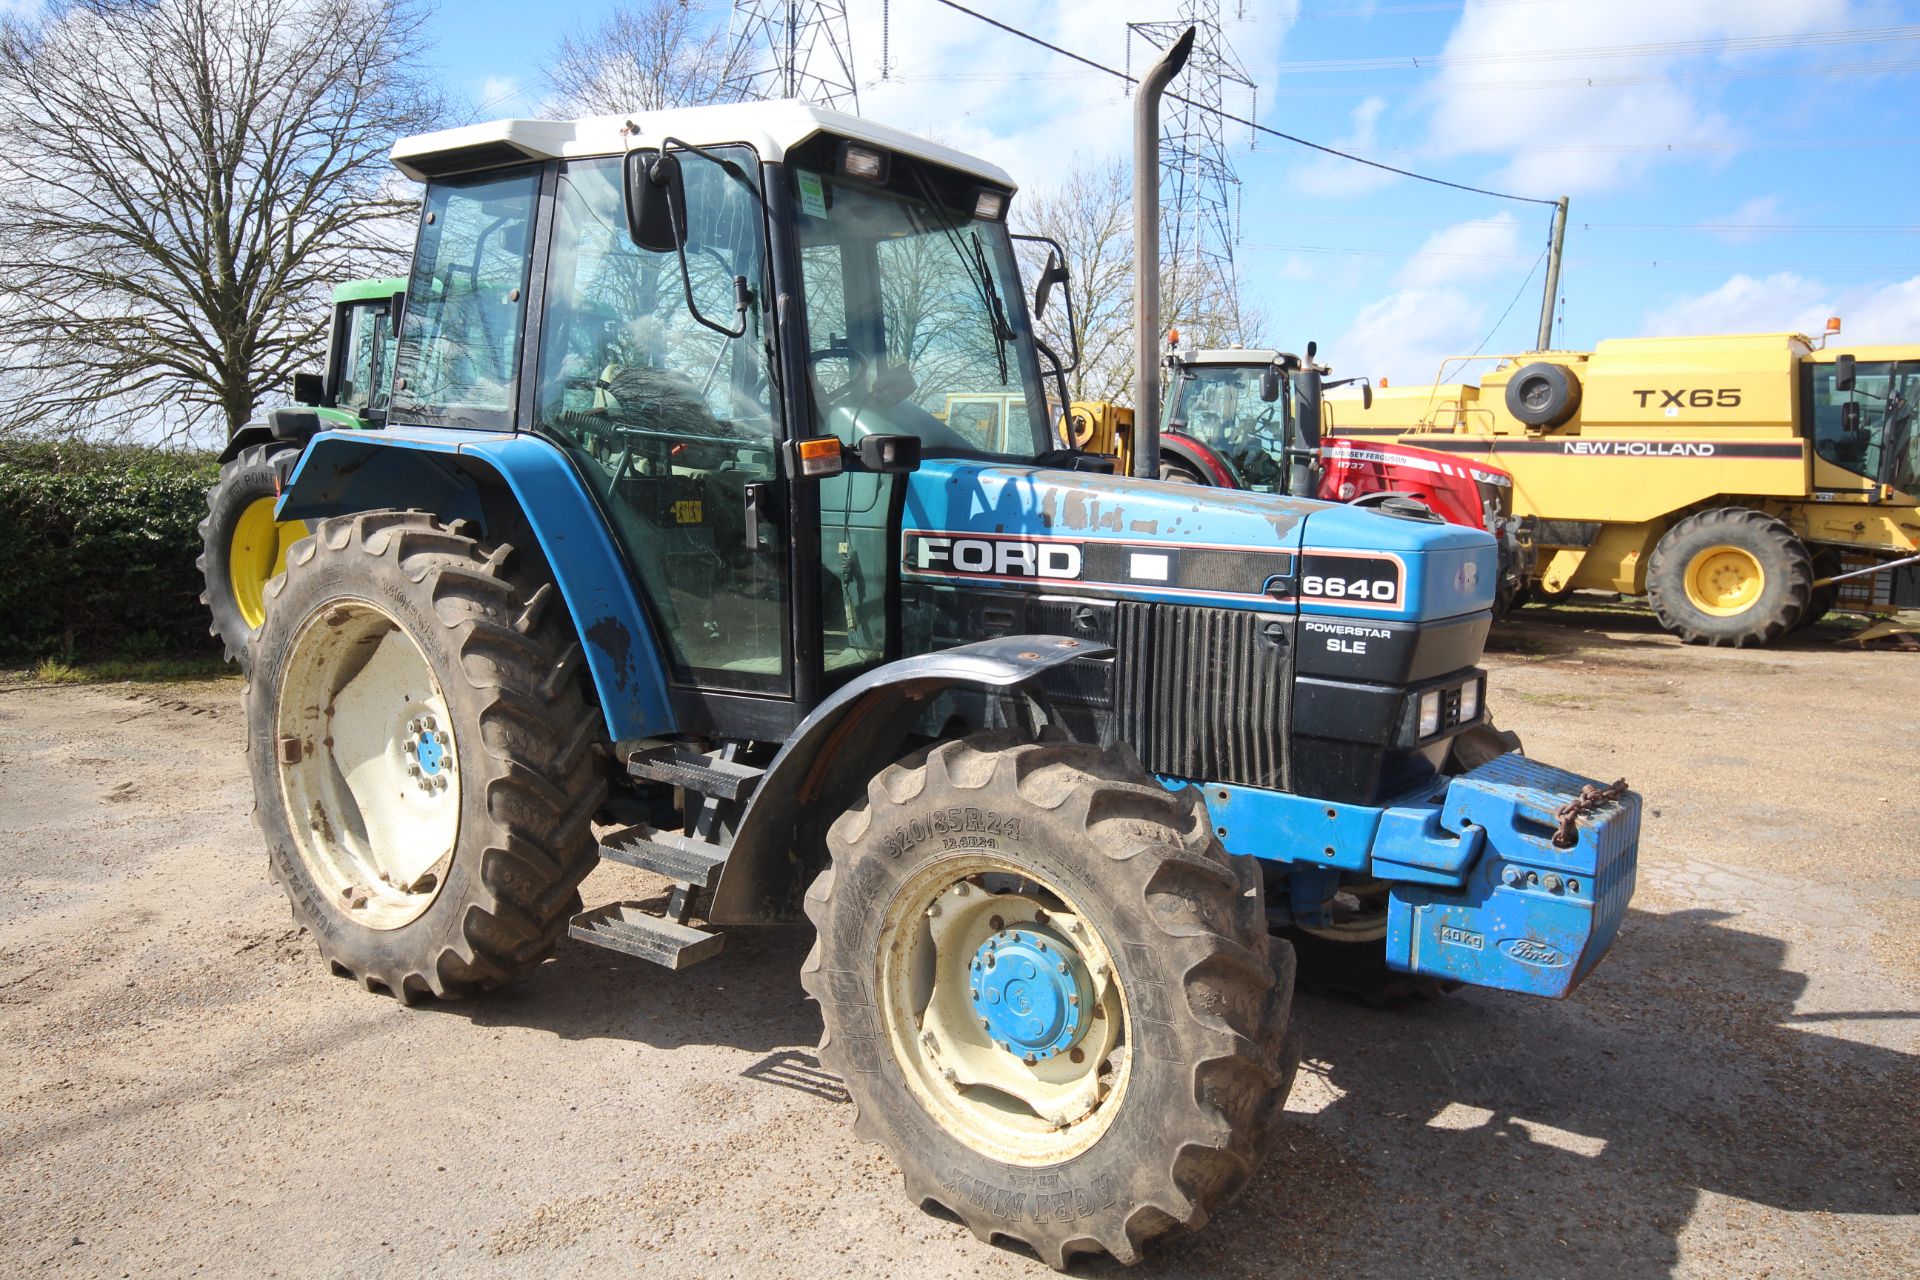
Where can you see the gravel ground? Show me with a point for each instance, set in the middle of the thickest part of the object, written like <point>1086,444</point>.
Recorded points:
<point>184,1089</point>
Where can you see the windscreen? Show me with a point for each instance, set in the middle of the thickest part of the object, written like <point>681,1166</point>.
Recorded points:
<point>915,320</point>
<point>1220,406</point>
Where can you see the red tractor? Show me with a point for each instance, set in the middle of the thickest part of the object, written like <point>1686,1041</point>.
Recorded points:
<point>1251,419</point>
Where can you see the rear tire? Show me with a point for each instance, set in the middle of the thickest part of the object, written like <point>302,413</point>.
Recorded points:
<point>1820,603</point>
<point>1166,1102</point>
<point>1729,577</point>
<point>242,547</point>
<point>424,765</point>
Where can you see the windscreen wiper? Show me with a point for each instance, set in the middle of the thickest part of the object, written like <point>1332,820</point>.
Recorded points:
<point>977,271</point>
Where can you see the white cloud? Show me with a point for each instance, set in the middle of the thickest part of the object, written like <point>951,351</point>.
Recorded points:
<point>1405,335</point>
<point>1462,251</point>
<point>1548,104</point>
<point>1784,301</point>
<point>500,94</point>
<point>1759,211</point>
<point>1332,176</point>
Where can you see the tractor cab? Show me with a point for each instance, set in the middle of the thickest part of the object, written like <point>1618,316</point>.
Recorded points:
<point>353,385</point>
<point>1230,417</point>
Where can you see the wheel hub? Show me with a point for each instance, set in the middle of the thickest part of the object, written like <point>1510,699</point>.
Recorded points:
<point>427,745</point>
<point>1032,991</point>
<point>1725,580</point>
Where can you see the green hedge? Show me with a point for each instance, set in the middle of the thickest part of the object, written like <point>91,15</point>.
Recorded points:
<point>100,547</point>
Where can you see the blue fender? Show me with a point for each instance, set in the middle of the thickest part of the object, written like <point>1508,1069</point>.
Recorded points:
<point>827,761</point>
<point>441,470</point>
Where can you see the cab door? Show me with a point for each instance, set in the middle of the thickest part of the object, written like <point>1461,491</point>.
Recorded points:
<point>657,384</point>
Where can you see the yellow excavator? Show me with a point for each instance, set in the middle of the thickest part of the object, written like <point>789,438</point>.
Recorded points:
<point>1745,483</point>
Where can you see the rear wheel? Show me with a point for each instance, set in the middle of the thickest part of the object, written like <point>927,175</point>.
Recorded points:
<point>423,760</point>
<point>242,547</point>
<point>1051,994</point>
<point>1731,577</point>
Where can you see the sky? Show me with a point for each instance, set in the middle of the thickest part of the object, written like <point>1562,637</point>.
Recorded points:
<point>1731,165</point>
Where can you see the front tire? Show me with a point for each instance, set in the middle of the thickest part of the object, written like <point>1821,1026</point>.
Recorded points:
<point>242,547</point>
<point>1051,994</point>
<point>424,767</point>
<point>1729,577</point>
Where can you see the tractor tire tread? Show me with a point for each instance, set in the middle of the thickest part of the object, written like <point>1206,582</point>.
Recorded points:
<point>1770,539</point>
<point>538,736</point>
<point>1237,984</point>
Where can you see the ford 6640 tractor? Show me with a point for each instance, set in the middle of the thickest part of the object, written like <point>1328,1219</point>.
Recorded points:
<point>663,556</point>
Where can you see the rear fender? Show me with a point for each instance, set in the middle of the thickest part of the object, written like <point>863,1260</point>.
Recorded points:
<point>494,479</point>
<point>780,843</point>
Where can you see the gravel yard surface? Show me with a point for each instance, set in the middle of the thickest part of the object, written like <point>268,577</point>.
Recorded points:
<point>184,1089</point>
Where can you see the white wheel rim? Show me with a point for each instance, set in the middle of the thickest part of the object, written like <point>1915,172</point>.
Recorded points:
<point>992,1100</point>
<point>368,764</point>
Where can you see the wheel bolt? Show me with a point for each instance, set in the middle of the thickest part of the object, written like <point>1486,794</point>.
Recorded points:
<point>1063,966</point>
<point>426,722</point>
<point>414,770</point>
<point>985,1025</point>
<point>1029,1059</point>
<point>441,782</point>
<point>997,923</point>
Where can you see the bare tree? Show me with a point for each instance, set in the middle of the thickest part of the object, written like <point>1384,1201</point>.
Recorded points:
<point>1091,214</point>
<point>657,54</point>
<point>185,180</point>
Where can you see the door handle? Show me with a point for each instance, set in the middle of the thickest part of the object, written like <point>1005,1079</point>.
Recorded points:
<point>757,499</point>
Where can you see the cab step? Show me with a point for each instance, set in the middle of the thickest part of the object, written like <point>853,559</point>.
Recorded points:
<point>629,927</point>
<point>708,775</point>
<point>679,858</point>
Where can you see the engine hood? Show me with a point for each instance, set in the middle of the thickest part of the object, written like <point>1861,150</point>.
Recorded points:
<point>985,523</point>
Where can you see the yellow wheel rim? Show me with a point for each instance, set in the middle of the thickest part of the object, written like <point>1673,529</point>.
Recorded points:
<point>258,554</point>
<point>1724,580</point>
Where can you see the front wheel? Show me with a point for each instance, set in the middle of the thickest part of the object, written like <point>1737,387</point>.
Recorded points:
<point>1051,994</point>
<point>1731,577</point>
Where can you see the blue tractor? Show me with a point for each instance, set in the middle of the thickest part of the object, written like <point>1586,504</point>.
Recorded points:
<point>676,549</point>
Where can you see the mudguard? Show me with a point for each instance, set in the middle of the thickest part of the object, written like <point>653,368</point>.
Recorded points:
<point>849,738</point>
<point>442,470</point>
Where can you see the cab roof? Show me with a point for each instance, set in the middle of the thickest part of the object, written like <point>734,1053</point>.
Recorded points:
<point>770,128</point>
<point>1233,355</point>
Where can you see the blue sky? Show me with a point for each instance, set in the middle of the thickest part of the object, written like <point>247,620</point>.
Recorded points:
<point>1732,164</point>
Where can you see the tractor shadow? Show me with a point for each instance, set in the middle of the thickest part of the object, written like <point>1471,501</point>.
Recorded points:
<point>747,997</point>
<point>1492,1134</point>
<point>1589,622</point>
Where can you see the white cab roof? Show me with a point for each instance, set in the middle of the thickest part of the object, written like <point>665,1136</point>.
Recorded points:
<point>770,128</point>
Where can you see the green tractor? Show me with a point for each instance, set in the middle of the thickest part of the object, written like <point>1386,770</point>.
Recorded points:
<point>670,552</point>
<point>242,544</point>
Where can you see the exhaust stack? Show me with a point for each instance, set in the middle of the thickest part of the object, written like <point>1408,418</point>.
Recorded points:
<point>1146,254</point>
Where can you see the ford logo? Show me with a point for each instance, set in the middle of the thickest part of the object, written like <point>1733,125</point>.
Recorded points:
<point>1535,952</point>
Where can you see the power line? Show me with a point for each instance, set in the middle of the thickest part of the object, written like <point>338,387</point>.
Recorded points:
<point>1652,263</point>
<point>1882,67</point>
<point>1663,48</point>
<point>1512,302</point>
<point>1227,115</point>
<point>1833,228</point>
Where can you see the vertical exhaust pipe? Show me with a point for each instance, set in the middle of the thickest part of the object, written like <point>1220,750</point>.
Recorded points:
<point>1146,254</point>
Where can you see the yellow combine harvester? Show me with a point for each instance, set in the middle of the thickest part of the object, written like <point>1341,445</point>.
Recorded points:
<point>1729,479</point>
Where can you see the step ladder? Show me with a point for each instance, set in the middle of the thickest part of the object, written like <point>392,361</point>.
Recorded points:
<point>691,859</point>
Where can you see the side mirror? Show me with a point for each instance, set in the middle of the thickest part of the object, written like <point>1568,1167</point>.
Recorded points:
<point>1270,384</point>
<point>656,201</point>
<point>1366,395</point>
<point>1850,418</point>
<point>309,389</point>
<point>1055,273</point>
<point>890,455</point>
<point>1843,373</point>
<point>394,306</point>
<point>1313,349</point>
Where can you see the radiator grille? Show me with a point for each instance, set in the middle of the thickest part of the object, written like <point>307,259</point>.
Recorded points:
<point>1206,693</point>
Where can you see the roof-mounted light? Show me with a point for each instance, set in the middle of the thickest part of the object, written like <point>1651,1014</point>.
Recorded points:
<point>990,205</point>
<point>863,163</point>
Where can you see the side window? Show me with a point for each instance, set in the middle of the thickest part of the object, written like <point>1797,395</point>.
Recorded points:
<point>460,347</point>
<point>668,419</point>
<point>1856,449</point>
<point>368,358</point>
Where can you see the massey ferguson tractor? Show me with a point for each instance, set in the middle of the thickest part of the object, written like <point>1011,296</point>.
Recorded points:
<point>663,556</point>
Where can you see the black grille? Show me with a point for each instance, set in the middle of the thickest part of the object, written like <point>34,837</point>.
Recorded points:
<point>1206,693</point>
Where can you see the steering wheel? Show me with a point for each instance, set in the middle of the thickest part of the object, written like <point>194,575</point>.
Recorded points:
<point>857,364</point>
